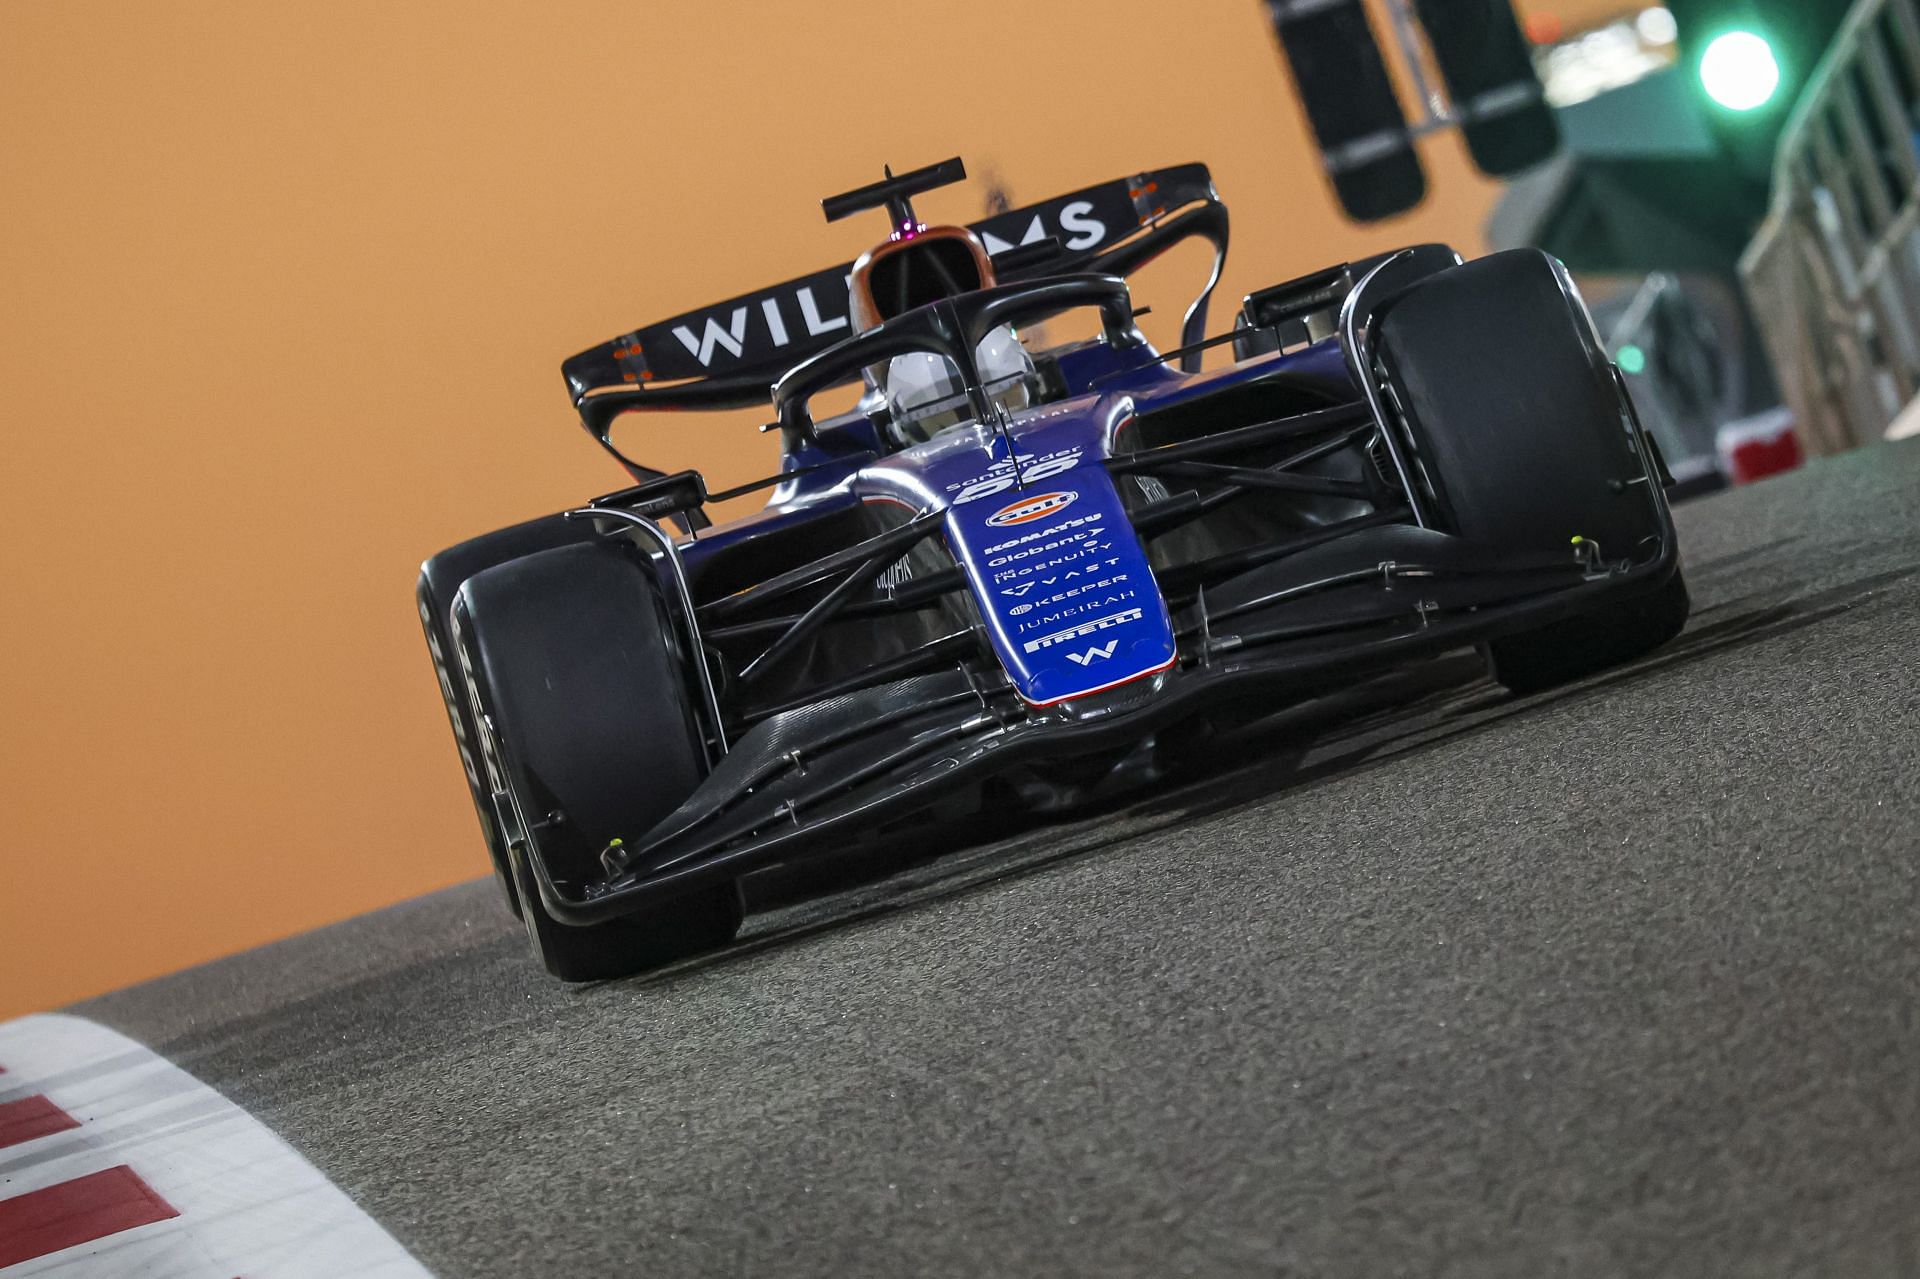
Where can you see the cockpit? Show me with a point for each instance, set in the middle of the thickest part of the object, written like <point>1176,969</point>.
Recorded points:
<point>937,336</point>
<point>924,394</point>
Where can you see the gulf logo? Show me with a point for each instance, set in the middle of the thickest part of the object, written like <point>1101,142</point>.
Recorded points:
<point>1028,509</point>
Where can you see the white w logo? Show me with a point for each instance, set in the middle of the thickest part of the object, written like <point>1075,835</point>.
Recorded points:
<point>1094,654</point>
<point>702,347</point>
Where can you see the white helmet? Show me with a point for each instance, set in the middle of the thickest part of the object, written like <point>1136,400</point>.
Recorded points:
<point>925,395</point>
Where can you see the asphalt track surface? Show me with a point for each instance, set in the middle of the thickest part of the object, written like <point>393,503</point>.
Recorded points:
<point>1425,980</point>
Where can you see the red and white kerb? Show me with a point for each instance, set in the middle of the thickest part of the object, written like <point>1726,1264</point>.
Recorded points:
<point>115,1162</point>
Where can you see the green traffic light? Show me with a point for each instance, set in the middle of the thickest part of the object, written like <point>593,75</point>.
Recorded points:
<point>1632,360</point>
<point>1739,71</point>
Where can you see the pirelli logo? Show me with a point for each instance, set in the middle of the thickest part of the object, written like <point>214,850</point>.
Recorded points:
<point>1084,628</point>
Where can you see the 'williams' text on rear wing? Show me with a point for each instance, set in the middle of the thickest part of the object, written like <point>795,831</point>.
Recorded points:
<point>731,353</point>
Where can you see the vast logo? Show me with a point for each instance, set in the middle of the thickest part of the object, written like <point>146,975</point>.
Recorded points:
<point>1028,509</point>
<point>1098,653</point>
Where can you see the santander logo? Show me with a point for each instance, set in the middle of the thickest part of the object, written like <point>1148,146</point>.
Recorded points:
<point>1028,509</point>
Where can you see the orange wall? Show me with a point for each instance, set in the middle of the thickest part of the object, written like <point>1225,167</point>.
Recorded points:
<point>283,295</point>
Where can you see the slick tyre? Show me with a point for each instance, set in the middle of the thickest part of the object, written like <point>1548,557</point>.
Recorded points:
<point>585,720</point>
<point>1517,419</point>
<point>440,579</point>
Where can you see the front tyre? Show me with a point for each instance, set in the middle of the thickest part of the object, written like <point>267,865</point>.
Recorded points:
<point>440,579</point>
<point>586,725</point>
<point>1518,421</point>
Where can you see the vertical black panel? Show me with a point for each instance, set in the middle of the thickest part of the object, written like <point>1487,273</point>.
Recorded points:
<point>1488,68</point>
<point>1350,103</point>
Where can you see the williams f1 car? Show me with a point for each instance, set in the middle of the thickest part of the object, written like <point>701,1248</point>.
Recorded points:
<point>1023,571</point>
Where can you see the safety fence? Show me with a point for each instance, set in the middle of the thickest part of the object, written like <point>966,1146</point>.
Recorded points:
<point>1834,274</point>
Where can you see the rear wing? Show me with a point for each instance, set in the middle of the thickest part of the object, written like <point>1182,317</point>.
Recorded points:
<point>730,354</point>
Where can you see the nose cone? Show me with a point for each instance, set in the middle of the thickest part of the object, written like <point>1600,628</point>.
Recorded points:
<point>1063,584</point>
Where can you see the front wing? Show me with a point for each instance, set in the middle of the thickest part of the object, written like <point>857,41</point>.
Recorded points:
<point>870,757</point>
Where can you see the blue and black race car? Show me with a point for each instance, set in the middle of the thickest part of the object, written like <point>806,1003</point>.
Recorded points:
<point>1021,570</point>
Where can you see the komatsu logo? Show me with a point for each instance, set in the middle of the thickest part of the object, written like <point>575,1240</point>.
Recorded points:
<point>1099,652</point>
<point>1065,526</point>
<point>1028,509</point>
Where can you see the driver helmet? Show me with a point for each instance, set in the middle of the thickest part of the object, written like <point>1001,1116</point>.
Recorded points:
<point>925,397</point>
<point>922,390</point>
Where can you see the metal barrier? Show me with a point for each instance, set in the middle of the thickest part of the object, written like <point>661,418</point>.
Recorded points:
<point>1834,274</point>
